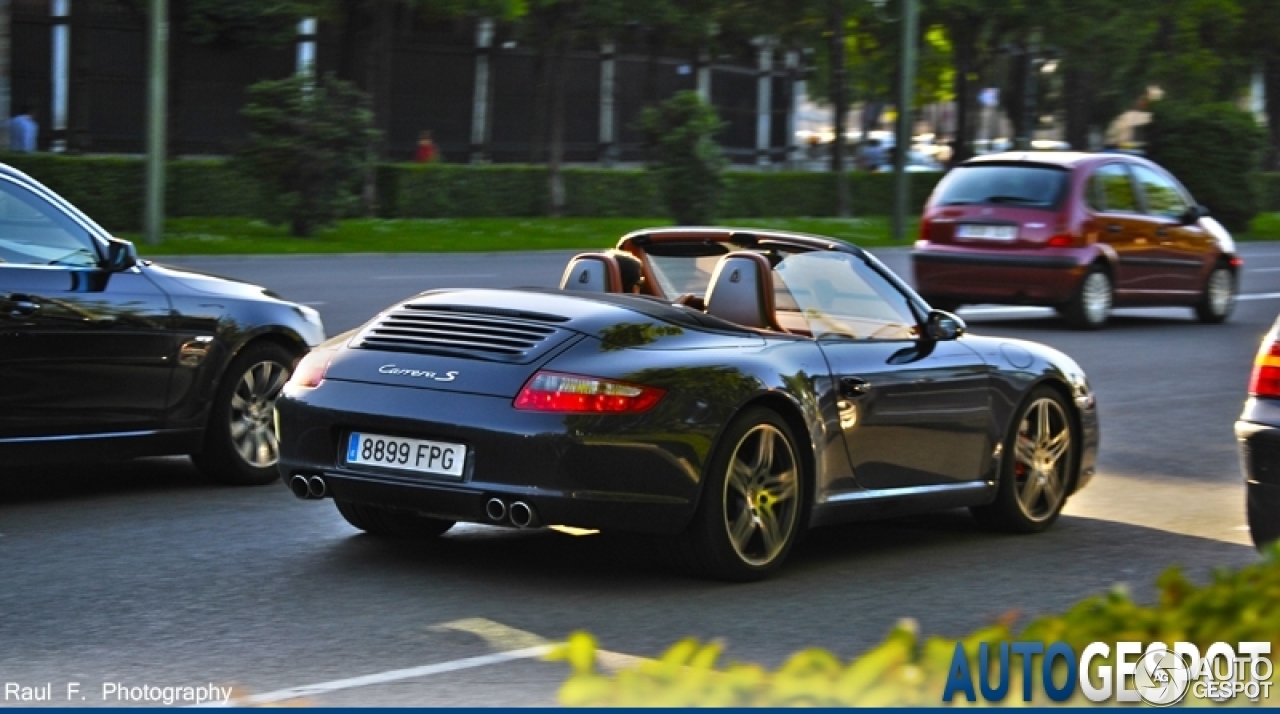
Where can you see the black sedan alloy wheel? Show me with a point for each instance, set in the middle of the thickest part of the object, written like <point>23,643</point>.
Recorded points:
<point>241,446</point>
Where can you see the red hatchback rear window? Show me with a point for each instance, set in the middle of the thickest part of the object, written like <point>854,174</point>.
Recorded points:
<point>1002,184</point>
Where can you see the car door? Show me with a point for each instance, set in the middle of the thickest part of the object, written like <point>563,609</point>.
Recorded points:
<point>82,349</point>
<point>1117,210</point>
<point>914,412</point>
<point>1184,248</point>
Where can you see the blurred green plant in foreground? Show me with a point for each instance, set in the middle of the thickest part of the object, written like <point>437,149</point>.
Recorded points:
<point>1236,606</point>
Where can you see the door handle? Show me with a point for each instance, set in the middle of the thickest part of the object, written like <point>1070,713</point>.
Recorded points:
<point>1162,231</point>
<point>22,305</point>
<point>1114,228</point>
<point>854,386</point>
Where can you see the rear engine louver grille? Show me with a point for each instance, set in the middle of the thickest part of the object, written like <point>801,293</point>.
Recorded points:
<point>432,331</point>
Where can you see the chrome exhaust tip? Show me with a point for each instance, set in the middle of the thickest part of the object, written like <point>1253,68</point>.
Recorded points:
<point>298,484</point>
<point>522,515</point>
<point>316,487</point>
<point>495,509</point>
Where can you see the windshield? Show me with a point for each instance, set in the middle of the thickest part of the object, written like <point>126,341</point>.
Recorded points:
<point>1002,184</point>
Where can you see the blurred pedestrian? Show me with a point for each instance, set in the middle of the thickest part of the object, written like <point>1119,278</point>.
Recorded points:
<point>426,152</point>
<point>23,130</point>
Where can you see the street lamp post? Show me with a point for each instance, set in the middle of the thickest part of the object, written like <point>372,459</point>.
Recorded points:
<point>158,44</point>
<point>906,99</point>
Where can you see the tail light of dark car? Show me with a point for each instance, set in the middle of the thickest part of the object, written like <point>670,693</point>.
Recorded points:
<point>1265,380</point>
<point>311,370</point>
<point>555,392</point>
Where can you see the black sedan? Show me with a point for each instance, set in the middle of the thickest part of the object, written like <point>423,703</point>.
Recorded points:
<point>104,355</point>
<point>1258,432</point>
<point>751,384</point>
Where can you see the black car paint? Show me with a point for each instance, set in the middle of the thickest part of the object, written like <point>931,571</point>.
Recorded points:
<point>1258,435</point>
<point>93,358</point>
<point>644,472</point>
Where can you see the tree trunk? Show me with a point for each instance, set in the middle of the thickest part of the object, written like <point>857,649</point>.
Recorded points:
<point>964,48</point>
<point>555,174</point>
<point>1075,99</point>
<point>538,122</point>
<point>839,102</point>
<point>378,84</point>
<point>353,24</point>
<point>1271,88</point>
<point>657,43</point>
<point>78,139</point>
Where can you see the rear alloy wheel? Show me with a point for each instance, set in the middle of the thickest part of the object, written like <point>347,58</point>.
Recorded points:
<point>749,516</point>
<point>1091,305</point>
<point>391,524</point>
<point>1219,296</point>
<point>1036,469</point>
<point>240,442</point>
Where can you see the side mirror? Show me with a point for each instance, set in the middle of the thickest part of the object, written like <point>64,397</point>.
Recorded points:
<point>121,255</point>
<point>941,326</point>
<point>1193,214</point>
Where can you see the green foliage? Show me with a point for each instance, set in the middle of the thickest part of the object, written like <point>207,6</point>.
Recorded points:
<point>684,157</point>
<point>309,143</point>
<point>110,189</point>
<point>1241,605</point>
<point>1212,149</point>
<point>245,22</point>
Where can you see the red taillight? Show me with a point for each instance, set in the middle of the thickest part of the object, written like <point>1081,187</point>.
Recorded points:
<point>1237,261</point>
<point>924,231</point>
<point>1062,240</point>
<point>554,392</point>
<point>310,371</point>
<point>1265,381</point>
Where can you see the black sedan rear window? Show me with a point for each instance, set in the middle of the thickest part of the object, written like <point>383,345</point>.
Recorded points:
<point>1002,184</point>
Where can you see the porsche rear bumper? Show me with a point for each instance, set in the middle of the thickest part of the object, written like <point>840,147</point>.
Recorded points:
<point>633,473</point>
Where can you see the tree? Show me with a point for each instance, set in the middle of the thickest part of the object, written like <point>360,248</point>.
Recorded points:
<point>679,134</point>
<point>308,142</point>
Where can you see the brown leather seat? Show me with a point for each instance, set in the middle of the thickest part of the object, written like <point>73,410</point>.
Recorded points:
<point>592,272</point>
<point>741,291</point>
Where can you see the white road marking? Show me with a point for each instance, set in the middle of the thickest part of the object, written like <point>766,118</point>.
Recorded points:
<point>436,276</point>
<point>1006,308</point>
<point>315,303</point>
<point>1258,296</point>
<point>395,675</point>
<point>1261,270</point>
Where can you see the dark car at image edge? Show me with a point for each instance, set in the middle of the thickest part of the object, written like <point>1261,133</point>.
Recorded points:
<point>1082,233</point>
<point>104,355</point>
<point>1258,433</point>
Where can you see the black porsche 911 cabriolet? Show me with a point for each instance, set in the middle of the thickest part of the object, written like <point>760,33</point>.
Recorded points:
<point>755,384</point>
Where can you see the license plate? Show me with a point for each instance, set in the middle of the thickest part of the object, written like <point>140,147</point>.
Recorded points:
<point>986,232</point>
<point>418,455</point>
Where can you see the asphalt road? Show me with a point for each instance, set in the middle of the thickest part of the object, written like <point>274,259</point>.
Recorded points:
<point>140,573</point>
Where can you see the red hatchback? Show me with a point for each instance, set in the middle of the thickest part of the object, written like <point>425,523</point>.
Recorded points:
<point>1074,231</point>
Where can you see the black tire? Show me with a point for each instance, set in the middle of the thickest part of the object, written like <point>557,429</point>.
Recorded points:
<point>761,444</point>
<point>1214,307</point>
<point>240,445</point>
<point>391,524</point>
<point>1024,505</point>
<point>1089,308</point>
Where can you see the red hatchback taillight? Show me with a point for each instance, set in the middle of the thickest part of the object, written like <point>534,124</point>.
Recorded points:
<point>554,392</point>
<point>1265,381</point>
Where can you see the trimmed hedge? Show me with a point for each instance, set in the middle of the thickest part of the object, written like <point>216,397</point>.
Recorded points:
<point>1237,606</point>
<point>110,189</point>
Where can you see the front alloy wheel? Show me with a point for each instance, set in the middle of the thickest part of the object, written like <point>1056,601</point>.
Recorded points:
<point>1039,461</point>
<point>240,441</point>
